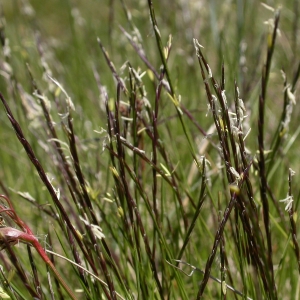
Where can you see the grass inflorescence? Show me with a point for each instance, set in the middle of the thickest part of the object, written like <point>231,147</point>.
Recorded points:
<point>163,151</point>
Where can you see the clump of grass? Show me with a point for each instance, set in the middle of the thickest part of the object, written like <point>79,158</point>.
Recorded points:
<point>141,207</point>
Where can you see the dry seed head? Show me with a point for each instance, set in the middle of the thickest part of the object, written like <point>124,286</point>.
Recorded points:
<point>234,173</point>
<point>224,97</point>
<point>97,230</point>
<point>292,172</point>
<point>288,201</point>
<point>291,95</point>
<point>69,102</point>
<point>270,8</point>
<point>157,30</point>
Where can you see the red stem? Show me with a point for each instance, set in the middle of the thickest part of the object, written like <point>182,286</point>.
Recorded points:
<point>13,235</point>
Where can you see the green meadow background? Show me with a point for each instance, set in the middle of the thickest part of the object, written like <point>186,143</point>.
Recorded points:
<point>152,196</point>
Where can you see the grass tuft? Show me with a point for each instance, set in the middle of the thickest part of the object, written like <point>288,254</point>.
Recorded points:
<point>162,150</point>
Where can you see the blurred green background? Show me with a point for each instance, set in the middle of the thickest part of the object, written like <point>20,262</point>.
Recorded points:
<point>232,32</point>
<point>62,35</point>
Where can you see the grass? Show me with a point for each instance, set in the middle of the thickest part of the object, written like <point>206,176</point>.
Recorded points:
<point>149,150</point>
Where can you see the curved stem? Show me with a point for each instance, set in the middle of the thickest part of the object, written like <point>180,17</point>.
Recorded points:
<point>35,243</point>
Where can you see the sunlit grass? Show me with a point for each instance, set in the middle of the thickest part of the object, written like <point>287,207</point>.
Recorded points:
<point>155,146</point>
